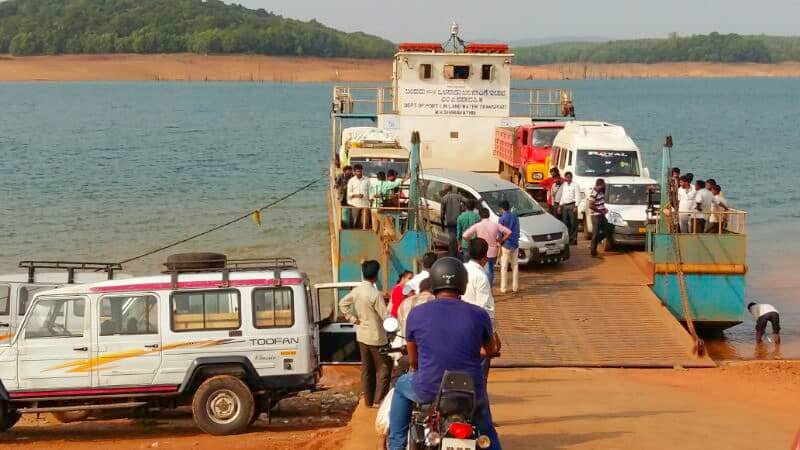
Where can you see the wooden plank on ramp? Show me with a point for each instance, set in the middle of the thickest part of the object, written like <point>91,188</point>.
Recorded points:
<point>590,313</point>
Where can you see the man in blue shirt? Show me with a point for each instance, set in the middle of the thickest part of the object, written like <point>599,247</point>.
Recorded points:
<point>443,334</point>
<point>510,249</point>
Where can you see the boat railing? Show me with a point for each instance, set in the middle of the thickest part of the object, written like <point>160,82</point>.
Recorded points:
<point>367,100</point>
<point>542,102</point>
<point>732,221</point>
<point>530,102</point>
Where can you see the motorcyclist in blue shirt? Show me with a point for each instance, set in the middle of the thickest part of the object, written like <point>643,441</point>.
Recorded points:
<point>444,334</point>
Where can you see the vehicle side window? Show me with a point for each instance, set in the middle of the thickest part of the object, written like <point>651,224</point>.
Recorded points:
<point>26,293</point>
<point>205,310</point>
<point>466,194</point>
<point>128,314</point>
<point>56,317</point>
<point>562,158</point>
<point>5,299</point>
<point>524,137</point>
<point>569,158</point>
<point>273,307</point>
<point>433,191</point>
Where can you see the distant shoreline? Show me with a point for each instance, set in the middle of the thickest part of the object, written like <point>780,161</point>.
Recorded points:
<point>190,67</point>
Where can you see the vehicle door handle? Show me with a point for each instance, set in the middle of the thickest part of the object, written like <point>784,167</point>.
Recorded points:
<point>151,346</point>
<point>81,349</point>
<point>3,324</point>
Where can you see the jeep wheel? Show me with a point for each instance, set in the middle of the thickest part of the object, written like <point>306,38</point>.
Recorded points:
<point>72,416</point>
<point>223,405</point>
<point>8,417</point>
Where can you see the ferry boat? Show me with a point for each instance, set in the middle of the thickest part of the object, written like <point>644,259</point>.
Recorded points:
<point>440,111</point>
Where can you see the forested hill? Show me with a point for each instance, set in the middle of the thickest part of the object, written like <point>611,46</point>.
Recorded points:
<point>712,47</point>
<point>29,27</point>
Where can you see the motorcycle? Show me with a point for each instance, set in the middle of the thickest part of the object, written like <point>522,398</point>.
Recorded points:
<point>445,424</point>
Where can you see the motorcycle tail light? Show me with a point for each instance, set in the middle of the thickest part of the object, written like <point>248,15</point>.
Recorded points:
<point>433,439</point>
<point>483,442</point>
<point>460,430</point>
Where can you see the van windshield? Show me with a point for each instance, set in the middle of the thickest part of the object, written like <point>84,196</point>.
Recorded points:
<point>521,203</point>
<point>607,163</point>
<point>629,194</point>
<point>374,165</point>
<point>544,137</point>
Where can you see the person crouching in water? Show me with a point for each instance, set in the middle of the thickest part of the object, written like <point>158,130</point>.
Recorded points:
<point>763,313</point>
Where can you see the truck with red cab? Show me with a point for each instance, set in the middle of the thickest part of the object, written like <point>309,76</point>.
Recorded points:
<point>525,153</point>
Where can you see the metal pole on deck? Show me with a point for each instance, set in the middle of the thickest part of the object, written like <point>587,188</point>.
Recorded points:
<point>413,188</point>
<point>666,188</point>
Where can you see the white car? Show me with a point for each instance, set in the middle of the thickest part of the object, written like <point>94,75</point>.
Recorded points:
<point>626,201</point>
<point>543,238</point>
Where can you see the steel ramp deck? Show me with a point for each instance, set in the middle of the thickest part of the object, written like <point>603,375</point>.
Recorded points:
<point>590,313</point>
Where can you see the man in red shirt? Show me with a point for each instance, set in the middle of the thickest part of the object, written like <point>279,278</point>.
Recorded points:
<point>552,185</point>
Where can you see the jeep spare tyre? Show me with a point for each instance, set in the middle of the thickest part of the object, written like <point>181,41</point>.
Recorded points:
<point>223,405</point>
<point>195,261</point>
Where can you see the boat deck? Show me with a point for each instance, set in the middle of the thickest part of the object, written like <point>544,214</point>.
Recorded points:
<point>590,312</point>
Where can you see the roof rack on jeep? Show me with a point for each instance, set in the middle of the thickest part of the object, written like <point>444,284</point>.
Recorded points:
<point>214,262</point>
<point>70,267</point>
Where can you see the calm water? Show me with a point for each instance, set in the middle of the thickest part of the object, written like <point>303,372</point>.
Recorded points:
<point>104,171</point>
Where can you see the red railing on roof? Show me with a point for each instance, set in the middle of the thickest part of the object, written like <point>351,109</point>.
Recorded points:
<point>431,47</point>
<point>486,48</point>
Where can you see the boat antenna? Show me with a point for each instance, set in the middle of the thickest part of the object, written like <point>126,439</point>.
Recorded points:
<point>454,44</point>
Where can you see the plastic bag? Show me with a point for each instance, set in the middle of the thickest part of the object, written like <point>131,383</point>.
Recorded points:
<point>382,419</point>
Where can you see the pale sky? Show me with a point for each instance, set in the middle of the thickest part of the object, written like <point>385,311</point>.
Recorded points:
<point>402,20</point>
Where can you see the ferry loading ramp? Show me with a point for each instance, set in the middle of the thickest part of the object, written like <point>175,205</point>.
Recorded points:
<point>591,312</point>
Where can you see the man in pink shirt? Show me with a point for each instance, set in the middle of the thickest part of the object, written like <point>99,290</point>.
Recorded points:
<point>493,233</point>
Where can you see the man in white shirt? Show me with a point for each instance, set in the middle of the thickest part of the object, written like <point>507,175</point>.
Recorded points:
<point>358,197</point>
<point>479,291</point>
<point>412,286</point>
<point>716,221</point>
<point>703,199</point>
<point>568,206</point>
<point>763,313</point>
<point>686,204</point>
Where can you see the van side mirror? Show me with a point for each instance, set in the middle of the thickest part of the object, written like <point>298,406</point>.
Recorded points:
<point>646,172</point>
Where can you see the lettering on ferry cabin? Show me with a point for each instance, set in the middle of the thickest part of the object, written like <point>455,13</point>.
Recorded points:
<point>454,101</point>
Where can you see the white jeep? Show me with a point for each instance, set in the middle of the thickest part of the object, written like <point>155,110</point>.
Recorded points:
<point>228,337</point>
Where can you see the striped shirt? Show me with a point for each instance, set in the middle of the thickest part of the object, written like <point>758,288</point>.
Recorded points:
<point>598,205</point>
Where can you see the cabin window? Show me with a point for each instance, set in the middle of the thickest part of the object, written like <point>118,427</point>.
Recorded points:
<point>273,308</point>
<point>487,72</point>
<point>562,158</point>
<point>452,72</point>
<point>5,299</point>
<point>425,71</point>
<point>56,318</point>
<point>524,137</point>
<point>569,158</point>
<point>128,314</point>
<point>205,310</point>
<point>454,135</point>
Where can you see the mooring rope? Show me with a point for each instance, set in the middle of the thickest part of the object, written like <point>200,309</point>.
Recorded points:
<point>230,222</point>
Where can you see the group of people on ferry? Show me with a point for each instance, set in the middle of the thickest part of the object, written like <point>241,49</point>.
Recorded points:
<point>699,203</point>
<point>362,196</point>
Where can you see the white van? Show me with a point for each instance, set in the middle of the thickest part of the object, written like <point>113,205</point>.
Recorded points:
<point>230,338</point>
<point>543,238</point>
<point>592,150</point>
<point>627,204</point>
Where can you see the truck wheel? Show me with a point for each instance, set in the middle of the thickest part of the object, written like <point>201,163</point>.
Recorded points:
<point>223,405</point>
<point>71,416</point>
<point>8,417</point>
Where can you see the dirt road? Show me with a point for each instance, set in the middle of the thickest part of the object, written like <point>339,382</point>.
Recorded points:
<point>742,406</point>
<point>747,407</point>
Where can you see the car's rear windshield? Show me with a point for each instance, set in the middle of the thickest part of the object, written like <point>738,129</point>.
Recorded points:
<point>607,163</point>
<point>630,194</point>
<point>374,165</point>
<point>544,137</point>
<point>521,203</point>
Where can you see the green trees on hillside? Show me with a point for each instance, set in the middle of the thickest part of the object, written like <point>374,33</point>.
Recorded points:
<point>29,27</point>
<point>713,47</point>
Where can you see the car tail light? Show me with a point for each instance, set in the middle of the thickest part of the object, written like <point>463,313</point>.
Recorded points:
<point>460,430</point>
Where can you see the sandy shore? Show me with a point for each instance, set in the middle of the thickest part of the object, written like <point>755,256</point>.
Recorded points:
<point>292,69</point>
